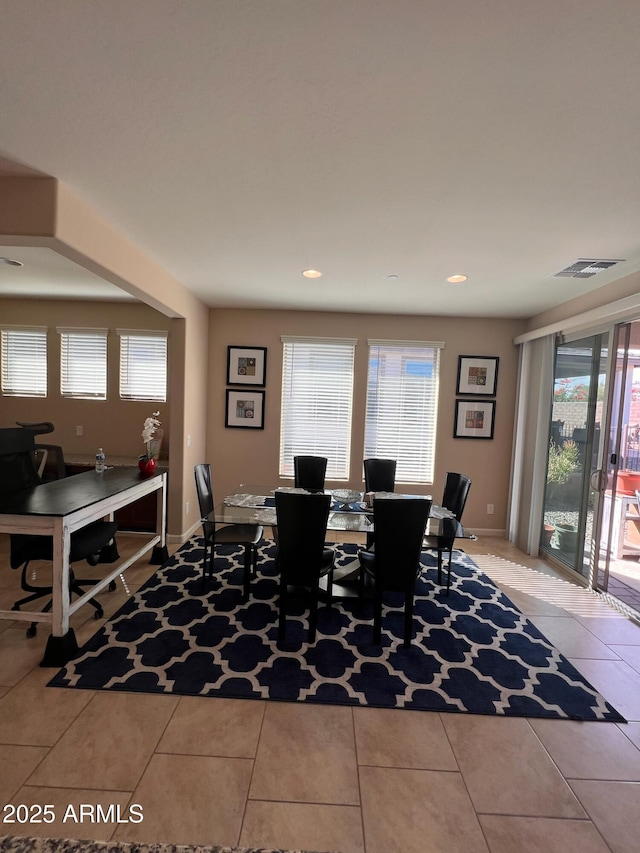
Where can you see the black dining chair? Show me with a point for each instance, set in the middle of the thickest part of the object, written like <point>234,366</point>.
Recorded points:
<point>17,472</point>
<point>246,535</point>
<point>309,472</point>
<point>454,498</point>
<point>302,558</point>
<point>395,563</point>
<point>379,475</point>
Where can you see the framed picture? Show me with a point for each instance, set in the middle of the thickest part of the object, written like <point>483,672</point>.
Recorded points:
<point>245,409</point>
<point>474,418</point>
<point>477,374</point>
<point>246,365</point>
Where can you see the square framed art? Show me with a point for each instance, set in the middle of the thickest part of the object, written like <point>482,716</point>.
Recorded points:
<point>244,409</point>
<point>477,374</point>
<point>246,365</point>
<point>474,419</point>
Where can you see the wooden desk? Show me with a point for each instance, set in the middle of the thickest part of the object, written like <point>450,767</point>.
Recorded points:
<point>58,509</point>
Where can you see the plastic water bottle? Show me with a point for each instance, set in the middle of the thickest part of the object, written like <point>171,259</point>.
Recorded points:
<point>101,461</point>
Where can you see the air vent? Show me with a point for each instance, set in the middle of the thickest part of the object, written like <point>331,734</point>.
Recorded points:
<point>586,268</point>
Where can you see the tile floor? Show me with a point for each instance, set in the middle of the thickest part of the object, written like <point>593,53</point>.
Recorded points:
<point>355,780</point>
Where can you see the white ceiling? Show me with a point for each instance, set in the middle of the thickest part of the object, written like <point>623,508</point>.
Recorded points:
<point>239,142</point>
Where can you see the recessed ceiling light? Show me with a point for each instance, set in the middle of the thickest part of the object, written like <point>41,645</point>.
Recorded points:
<point>10,262</point>
<point>456,279</point>
<point>311,273</point>
<point>393,276</point>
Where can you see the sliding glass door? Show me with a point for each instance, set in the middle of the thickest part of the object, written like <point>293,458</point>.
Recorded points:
<point>573,448</point>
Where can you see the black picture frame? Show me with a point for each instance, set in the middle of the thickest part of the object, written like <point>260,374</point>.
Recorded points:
<point>477,375</point>
<point>246,365</point>
<point>244,409</point>
<point>474,419</point>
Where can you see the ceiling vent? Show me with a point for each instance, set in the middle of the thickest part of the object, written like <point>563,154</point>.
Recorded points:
<point>586,268</point>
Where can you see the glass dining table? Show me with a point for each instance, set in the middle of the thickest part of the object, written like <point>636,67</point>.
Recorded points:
<point>255,504</point>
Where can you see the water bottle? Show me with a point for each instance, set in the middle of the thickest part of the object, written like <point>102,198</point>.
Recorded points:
<point>101,461</point>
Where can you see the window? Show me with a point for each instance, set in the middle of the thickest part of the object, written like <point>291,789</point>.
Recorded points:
<point>143,365</point>
<point>317,394</point>
<point>83,363</point>
<point>402,406</point>
<point>24,361</point>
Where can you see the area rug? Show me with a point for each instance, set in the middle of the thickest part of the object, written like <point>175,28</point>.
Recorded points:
<point>19,844</point>
<point>473,650</point>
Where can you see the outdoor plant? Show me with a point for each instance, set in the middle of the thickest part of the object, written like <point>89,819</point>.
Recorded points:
<point>563,461</point>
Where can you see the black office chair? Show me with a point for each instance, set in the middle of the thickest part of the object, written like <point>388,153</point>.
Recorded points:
<point>17,472</point>
<point>247,535</point>
<point>454,498</point>
<point>302,557</point>
<point>309,472</point>
<point>49,457</point>
<point>379,475</point>
<point>394,565</point>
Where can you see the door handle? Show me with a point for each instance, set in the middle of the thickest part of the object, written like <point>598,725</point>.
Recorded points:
<point>598,480</point>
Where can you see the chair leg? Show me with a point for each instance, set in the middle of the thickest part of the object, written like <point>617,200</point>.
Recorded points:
<point>247,572</point>
<point>313,615</point>
<point>329,589</point>
<point>449,570</point>
<point>282,622</point>
<point>439,566</point>
<point>377,614</point>
<point>408,618</point>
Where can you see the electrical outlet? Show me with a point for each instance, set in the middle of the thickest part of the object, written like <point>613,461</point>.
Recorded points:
<point>489,509</point>
<point>79,430</point>
<point>186,508</point>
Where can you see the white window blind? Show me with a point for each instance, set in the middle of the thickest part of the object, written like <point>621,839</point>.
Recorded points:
<point>402,406</point>
<point>143,365</point>
<point>317,395</point>
<point>83,363</point>
<point>24,361</point>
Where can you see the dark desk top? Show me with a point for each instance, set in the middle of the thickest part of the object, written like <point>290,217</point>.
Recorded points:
<point>62,497</point>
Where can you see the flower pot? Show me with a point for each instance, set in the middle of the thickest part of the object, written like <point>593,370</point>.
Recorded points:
<point>547,533</point>
<point>627,482</point>
<point>567,536</point>
<point>147,467</point>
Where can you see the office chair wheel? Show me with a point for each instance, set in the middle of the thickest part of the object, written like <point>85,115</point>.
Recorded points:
<point>93,559</point>
<point>112,586</point>
<point>32,630</point>
<point>98,614</point>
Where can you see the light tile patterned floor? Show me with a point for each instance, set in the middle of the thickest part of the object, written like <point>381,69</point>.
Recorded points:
<point>355,780</point>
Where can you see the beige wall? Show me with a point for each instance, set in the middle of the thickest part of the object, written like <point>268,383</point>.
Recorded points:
<point>251,456</point>
<point>114,424</point>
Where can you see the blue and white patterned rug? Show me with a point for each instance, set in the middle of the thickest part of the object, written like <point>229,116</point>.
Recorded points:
<point>472,651</point>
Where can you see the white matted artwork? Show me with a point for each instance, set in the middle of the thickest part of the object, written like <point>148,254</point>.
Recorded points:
<point>477,374</point>
<point>474,418</point>
<point>246,365</point>
<point>244,409</point>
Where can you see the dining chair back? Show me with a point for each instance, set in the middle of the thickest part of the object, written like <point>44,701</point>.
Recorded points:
<point>302,557</point>
<point>247,536</point>
<point>379,475</point>
<point>456,491</point>
<point>393,566</point>
<point>309,472</point>
<point>454,498</point>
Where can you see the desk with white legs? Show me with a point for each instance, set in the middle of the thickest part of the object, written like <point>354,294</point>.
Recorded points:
<point>58,509</point>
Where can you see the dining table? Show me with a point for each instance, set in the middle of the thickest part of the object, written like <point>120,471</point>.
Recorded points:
<point>350,511</point>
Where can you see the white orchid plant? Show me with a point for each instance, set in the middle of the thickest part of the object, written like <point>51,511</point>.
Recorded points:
<point>149,436</point>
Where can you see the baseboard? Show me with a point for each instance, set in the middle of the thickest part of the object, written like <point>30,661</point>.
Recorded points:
<point>488,531</point>
<point>181,538</point>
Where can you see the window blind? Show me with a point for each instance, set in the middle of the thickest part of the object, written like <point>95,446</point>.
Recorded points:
<point>143,365</point>
<point>317,396</point>
<point>402,406</point>
<point>83,363</point>
<point>24,361</point>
